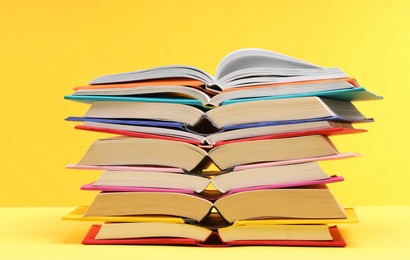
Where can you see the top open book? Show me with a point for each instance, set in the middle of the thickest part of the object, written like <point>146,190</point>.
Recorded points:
<point>244,67</point>
<point>243,75</point>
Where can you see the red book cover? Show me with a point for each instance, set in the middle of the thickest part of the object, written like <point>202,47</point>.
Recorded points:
<point>213,241</point>
<point>136,134</point>
<point>326,132</point>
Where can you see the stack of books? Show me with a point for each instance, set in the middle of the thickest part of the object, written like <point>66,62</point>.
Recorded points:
<point>224,161</point>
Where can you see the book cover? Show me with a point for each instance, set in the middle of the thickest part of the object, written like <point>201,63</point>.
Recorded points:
<point>213,241</point>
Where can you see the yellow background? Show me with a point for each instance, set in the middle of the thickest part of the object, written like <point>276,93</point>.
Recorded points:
<point>48,47</point>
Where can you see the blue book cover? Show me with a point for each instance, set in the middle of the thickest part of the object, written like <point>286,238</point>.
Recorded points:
<point>90,99</point>
<point>353,94</point>
<point>284,122</point>
<point>137,122</point>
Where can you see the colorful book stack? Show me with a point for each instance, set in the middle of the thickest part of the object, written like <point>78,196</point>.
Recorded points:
<point>224,161</point>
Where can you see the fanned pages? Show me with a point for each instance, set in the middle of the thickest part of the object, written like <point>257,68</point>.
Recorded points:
<point>240,68</point>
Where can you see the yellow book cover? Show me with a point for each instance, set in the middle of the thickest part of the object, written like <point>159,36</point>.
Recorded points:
<point>78,214</point>
<point>350,212</point>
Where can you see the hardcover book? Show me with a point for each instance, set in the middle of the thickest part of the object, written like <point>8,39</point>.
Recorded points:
<point>211,221</point>
<point>223,137</point>
<point>308,202</point>
<point>127,151</point>
<point>229,117</point>
<point>240,68</point>
<point>292,175</point>
<point>274,235</point>
<point>189,92</point>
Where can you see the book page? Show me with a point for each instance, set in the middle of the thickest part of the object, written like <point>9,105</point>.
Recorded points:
<point>162,72</point>
<point>258,58</point>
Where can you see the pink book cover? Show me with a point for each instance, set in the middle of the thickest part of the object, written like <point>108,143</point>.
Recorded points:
<point>125,168</point>
<point>91,187</point>
<point>332,179</point>
<point>326,132</point>
<point>236,168</point>
<point>133,189</point>
<point>311,159</point>
<point>136,134</point>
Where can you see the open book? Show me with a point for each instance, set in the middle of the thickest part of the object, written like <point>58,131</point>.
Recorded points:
<point>222,137</point>
<point>125,151</point>
<point>240,68</point>
<point>292,175</point>
<point>172,230</point>
<point>256,74</point>
<point>184,234</point>
<point>189,92</point>
<point>229,117</point>
<point>188,235</point>
<point>212,221</point>
<point>311,202</point>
